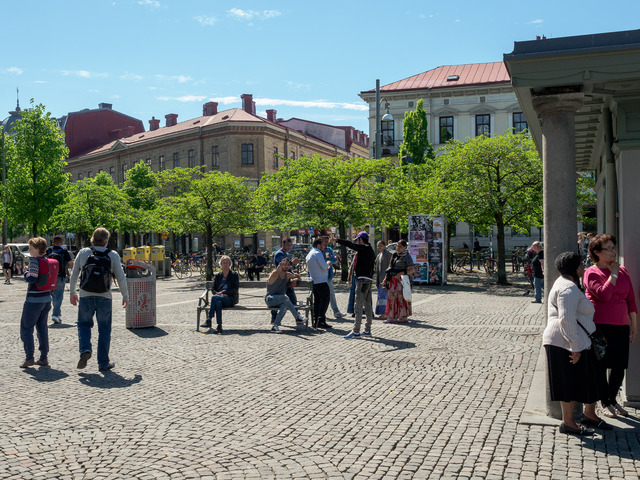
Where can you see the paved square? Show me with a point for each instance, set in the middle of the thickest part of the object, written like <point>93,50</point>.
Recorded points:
<point>440,397</point>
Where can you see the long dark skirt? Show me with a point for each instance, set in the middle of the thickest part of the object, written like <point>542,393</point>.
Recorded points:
<point>572,382</point>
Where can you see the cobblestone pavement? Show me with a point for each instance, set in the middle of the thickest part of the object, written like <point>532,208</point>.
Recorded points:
<point>440,397</point>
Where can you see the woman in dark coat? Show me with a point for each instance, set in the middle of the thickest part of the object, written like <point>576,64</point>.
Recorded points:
<point>226,286</point>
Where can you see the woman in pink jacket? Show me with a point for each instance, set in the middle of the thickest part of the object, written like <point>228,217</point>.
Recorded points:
<point>609,288</point>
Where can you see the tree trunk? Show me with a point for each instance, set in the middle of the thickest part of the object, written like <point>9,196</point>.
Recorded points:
<point>344,263</point>
<point>502,270</point>
<point>209,246</point>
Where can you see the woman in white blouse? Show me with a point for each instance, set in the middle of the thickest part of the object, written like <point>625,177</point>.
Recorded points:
<point>570,362</point>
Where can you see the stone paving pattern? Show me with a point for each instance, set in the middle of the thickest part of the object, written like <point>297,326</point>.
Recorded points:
<point>440,397</point>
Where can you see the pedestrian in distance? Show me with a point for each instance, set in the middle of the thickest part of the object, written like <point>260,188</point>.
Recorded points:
<point>226,286</point>
<point>365,259</point>
<point>7,262</point>
<point>276,293</point>
<point>95,267</point>
<point>382,263</point>
<point>280,254</point>
<point>608,286</point>
<point>257,263</point>
<point>398,309</point>
<point>570,361</point>
<point>65,261</point>
<point>537,264</point>
<point>318,268</point>
<point>331,257</point>
<point>41,280</point>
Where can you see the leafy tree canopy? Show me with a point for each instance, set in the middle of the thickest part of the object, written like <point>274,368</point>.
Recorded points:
<point>415,136</point>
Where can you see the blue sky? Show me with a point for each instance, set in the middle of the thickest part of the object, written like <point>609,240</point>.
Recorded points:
<point>305,59</point>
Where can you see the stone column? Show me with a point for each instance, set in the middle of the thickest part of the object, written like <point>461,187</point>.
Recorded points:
<point>559,185</point>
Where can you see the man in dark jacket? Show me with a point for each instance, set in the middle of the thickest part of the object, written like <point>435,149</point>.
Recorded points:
<point>365,261</point>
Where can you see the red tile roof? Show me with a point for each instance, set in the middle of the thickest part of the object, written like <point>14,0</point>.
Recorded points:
<point>471,74</point>
<point>232,115</point>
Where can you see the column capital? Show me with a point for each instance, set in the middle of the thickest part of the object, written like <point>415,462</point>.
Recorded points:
<point>558,103</point>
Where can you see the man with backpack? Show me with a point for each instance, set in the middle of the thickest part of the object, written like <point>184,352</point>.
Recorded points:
<point>96,266</point>
<point>57,252</point>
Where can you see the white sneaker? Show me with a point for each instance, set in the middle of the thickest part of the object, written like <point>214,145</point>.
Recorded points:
<point>608,411</point>
<point>275,329</point>
<point>56,319</point>
<point>339,315</point>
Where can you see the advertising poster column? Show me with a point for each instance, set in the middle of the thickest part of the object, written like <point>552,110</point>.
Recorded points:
<point>426,246</point>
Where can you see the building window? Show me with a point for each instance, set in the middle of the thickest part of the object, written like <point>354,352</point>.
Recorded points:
<point>292,155</point>
<point>446,129</point>
<point>176,160</point>
<point>124,171</point>
<point>161,165</point>
<point>387,133</point>
<point>483,125</point>
<point>519,122</point>
<point>89,173</point>
<point>247,154</point>
<point>112,171</point>
<point>79,176</point>
<point>191,155</point>
<point>215,157</point>
<point>275,158</point>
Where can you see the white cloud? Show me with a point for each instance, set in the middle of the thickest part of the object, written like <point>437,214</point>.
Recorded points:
<point>131,76</point>
<point>226,100</point>
<point>457,20</point>
<point>185,98</point>
<point>83,74</point>
<point>115,96</point>
<point>149,3</point>
<point>12,70</point>
<point>174,78</point>
<point>291,84</point>
<point>250,15</point>
<point>205,20</point>
<point>537,21</point>
<point>310,104</point>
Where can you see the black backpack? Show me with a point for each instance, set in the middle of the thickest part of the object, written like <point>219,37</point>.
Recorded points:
<point>59,256</point>
<point>95,276</point>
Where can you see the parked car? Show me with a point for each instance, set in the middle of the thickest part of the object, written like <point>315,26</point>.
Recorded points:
<point>300,248</point>
<point>21,255</point>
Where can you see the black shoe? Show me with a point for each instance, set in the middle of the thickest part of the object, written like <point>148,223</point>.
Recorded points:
<point>84,358</point>
<point>601,424</point>
<point>324,325</point>
<point>581,430</point>
<point>206,325</point>
<point>219,329</point>
<point>108,366</point>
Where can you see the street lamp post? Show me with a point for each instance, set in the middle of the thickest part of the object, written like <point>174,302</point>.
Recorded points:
<point>377,147</point>
<point>4,194</point>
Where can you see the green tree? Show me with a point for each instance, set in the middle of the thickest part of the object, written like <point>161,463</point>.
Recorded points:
<point>323,193</point>
<point>36,180</point>
<point>488,181</point>
<point>214,203</point>
<point>585,183</point>
<point>415,136</point>
<point>141,188</point>
<point>91,203</point>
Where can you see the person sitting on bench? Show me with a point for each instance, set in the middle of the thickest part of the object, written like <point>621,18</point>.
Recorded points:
<point>276,297</point>
<point>225,292</point>
<point>257,263</point>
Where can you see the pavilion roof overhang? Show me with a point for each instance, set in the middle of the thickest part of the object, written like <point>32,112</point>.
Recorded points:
<point>605,67</point>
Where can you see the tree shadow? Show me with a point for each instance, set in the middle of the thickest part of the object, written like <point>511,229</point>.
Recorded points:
<point>109,379</point>
<point>149,332</point>
<point>46,374</point>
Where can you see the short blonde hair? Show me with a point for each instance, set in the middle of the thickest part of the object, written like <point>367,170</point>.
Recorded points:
<point>226,257</point>
<point>100,237</point>
<point>39,243</point>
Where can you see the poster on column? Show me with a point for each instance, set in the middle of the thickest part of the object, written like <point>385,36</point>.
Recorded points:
<point>426,247</point>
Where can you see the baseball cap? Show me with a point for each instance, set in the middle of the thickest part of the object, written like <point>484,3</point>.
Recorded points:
<point>362,235</point>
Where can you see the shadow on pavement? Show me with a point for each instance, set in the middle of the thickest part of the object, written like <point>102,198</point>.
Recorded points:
<point>419,324</point>
<point>46,374</point>
<point>109,379</point>
<point>394,344</point>
<point>61,326</point>
<point>151,332</point>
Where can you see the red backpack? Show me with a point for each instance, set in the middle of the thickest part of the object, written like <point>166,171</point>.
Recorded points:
<point>47,274</point>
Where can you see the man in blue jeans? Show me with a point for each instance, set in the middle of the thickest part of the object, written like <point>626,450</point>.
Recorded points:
<point>97,264</point>
<point>283,252</point>
<point>538,275</point>
<point>65,261</point>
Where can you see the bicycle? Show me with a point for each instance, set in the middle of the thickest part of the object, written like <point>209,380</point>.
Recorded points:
<point>461,262</point>
<point>488,263</point>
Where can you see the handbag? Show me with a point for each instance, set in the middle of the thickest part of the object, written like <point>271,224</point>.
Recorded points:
<point>598,342</point>
<point>406,288</point>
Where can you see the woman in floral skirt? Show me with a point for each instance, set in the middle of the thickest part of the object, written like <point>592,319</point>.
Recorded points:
<point>398,309</point>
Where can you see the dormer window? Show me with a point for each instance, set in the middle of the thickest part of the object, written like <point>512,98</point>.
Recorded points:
<point>453,78</point>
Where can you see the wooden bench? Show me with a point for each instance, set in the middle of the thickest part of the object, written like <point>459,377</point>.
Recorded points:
<point>306,306</point>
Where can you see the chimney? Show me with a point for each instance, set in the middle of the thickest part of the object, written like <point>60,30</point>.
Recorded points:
<point>154,124</point>
<point>271,115</point>
<point>247,103</point>
<point>209,108</point>
<point>105,106</point>
<point>130,130</point>
<point>172,119</point>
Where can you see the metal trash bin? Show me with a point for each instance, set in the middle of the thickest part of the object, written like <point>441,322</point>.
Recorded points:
<point>141,285</point>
